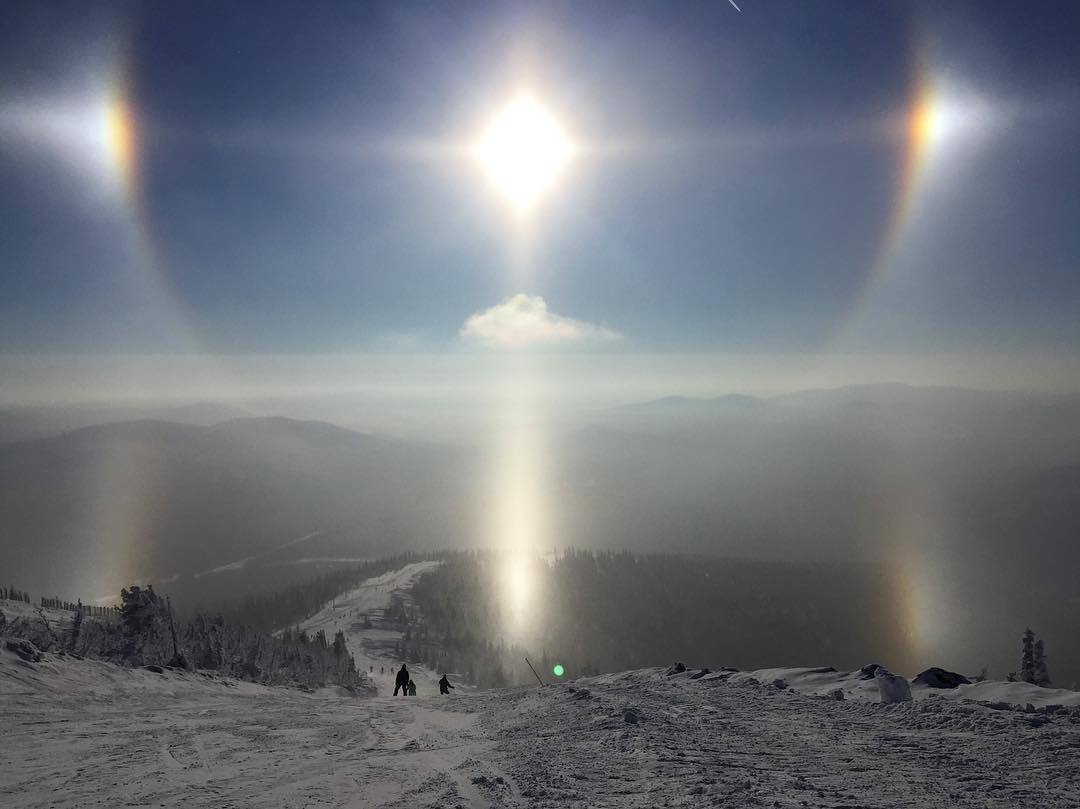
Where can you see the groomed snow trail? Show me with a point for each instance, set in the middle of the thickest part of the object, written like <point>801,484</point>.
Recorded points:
<point>373,647</point>
<point>81,733</point>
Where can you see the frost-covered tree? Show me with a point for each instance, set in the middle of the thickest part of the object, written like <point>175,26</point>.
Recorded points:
<point>1041,672</point>
<point>1027,656</point>
<point>76,625</point>
<point>339,644</point>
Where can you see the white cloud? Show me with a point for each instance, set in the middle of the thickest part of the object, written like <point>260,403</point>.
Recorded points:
<point>524,320</point>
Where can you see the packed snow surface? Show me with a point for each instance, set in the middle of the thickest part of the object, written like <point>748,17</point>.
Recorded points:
<point>83,733</point>
<point>373,646</point>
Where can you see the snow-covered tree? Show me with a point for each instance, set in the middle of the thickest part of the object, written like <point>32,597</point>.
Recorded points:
<point>76,625</point>
<point>1041,673</point>
<point>1027,656</point>
<point>339,644</point>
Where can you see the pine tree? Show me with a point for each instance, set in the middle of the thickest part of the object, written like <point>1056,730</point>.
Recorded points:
<point>1042,674</point>
<point>339,644</point>
<point>1027,656</point>
<point>76,626</point>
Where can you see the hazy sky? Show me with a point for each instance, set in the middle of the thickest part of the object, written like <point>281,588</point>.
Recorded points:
<point>271,178</point>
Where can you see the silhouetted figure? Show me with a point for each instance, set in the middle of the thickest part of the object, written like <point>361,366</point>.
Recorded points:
<point>444,685</point>
<point>412,688</point>
<point>402,681</point>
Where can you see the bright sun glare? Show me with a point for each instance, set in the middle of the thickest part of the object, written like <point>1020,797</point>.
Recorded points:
<point>523,152</point>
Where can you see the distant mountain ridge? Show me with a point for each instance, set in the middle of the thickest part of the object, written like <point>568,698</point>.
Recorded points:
<point>25,423</point>
<point>886,393</point>
<point>970,494</point>
<point>128,501</point>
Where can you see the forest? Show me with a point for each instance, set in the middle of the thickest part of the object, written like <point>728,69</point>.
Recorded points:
<point>593,612</point>
<point>144,632</point>
<point>288,605</point>
<point>237,638</point>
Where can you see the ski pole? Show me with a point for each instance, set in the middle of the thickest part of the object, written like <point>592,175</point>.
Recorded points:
<point>537,676</point>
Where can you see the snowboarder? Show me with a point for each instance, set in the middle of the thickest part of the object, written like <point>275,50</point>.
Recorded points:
<point>444,685</point>
<point>402,681</point>
<point>412,688</point>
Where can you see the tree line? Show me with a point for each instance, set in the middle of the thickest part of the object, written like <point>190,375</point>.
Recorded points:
<point>611,611</point>
<point>11,594</point>
<point>240,638</point>
<point>93,610</point>
<point>291,605</point>
<point>1033,667</point>
<point>146,632</point>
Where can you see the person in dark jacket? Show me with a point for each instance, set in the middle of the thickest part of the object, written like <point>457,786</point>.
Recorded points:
<point>402,681</point>
<point>412,688</point>
<point>444,685</point>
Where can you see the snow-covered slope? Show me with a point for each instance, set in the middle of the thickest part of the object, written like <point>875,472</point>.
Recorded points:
<point>823,682</point>
<point>645,739</point>
<point>80,733</point>
<point>373,647</point>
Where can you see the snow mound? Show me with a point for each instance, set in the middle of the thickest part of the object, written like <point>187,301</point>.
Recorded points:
<point>826,681</point>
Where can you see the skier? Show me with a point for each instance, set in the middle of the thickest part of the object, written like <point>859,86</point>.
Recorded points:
<point>402,681</point>
<point>412,688</point>
<point>444,685</point>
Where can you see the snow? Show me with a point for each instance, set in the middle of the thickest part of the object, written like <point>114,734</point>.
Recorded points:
<point>373,648</point>
<point>81,733</point>
<point>240,564</point>
<point>892,687</point>
<point>822,681</point>
<point>726,741</point>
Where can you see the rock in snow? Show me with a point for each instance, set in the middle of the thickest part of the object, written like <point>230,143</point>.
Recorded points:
<point>25,650</point>
<point>868,671</point>
<point>940,678</point>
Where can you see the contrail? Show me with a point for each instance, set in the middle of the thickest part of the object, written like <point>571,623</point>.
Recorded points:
<point>736,7</point>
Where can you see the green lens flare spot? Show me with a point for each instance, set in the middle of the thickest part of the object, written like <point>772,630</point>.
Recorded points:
<point>558,670</point>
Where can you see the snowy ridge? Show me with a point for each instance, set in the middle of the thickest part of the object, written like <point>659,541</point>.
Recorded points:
<point>823,682</point>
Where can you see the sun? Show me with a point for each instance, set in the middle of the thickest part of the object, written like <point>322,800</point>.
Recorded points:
<point>523,152</point>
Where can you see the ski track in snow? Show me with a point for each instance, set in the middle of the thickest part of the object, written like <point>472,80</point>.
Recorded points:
<point>720,743</point>
<point>85,733</point>
<point>373,648</point>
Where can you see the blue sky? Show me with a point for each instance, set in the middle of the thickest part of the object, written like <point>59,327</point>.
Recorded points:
<point>276,209</point>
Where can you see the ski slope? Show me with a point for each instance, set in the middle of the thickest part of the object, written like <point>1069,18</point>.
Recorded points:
<point>373,647</point>
<point>85,733</point>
